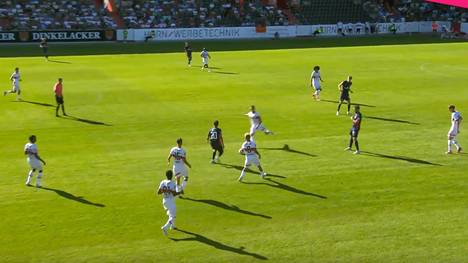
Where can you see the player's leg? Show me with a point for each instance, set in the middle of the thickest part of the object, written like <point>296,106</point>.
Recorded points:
<point>220,151</point>
<point>57,110</point>
<point>184,183</point>
<point>39,178</point>
<point>177,175</point>
<point>356,143</point>
<point>253,128</point>
<point>339,106</point>
<point>30,176</point>
<point>63,109</point>
<point>246,166</point>
<point>349,105</point>
<point>213,156</point>
<point>317,96</point>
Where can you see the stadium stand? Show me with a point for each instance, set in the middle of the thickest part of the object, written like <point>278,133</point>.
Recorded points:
<point>55,14</point>
<point>329,11</point>
<point>412,10</point>
<point>191,13</point>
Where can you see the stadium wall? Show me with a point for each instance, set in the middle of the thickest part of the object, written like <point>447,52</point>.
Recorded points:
<point>58,36</point>
<point>172,34</point>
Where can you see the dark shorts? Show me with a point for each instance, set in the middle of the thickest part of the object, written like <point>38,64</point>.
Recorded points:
<point>215,145</point>
<point>59,100</point>
<point>354,132</point>
<point>344,97</point>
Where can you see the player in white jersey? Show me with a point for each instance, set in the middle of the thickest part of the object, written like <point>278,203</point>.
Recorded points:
<point>34,161</point>
<point>15,78</point>
<point>454,129</point>
<point>315,80</point>
<point>180,160</point>
<point>252,156</point>
<point>205,57</point>
<point>256,122</point>
<point>168,190</point>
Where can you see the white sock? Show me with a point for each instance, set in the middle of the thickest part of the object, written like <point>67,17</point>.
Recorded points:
<point>177,187</point>
<point>38,179</point>
<point>242,173</point>
<point>449,145</point>
<point>30,175</point>
<point>184,183</point>
<point>456,144</point>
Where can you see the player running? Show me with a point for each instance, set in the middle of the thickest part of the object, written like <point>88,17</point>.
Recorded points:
<point>58,90</point>
<point>180,160</point>
<point>215,138</point>
<point>256,122</point>
<point>454,130</point>
<point>345,89</point>
<point>252,156</point>
<point>168,189</point>
<point>45,48</point>
<point>188,52</point>
<point>34,161</point>
<point>315,80</point>
<point>205,57</point>
<point>15,78</point>
<point>354,132</point>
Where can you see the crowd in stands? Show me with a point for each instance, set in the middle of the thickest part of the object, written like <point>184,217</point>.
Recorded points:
<point>85,14</point>
<point>52,14</point>
<point>413,10</point>
<point>196,13</point>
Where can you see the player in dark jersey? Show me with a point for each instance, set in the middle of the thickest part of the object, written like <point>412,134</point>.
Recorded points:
<point>215,138</point>
<point>188,52</point>
<point>354,132</point>
<point>45,47</point>
<point>345,89</point>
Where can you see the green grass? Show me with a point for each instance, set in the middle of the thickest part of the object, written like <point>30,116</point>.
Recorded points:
<point>406,202</point>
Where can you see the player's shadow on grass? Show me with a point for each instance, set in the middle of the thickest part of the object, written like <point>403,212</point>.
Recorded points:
<point>225,72</point>
<point>73,197</point>
<point>352,103</point>
<point>239,168</point>
<point>287,149</point>
<point>402,158</point>
<point>391,120</point>
<point>73,118</point>
<point>216,244</point>
<point>276,184</point>
<point>36,103</point>
<point>58,61</point>
<point>224,206</point>
<point>199,66</point>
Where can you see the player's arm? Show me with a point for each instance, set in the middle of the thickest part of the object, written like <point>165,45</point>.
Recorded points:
<point>257,152</point>
<point>39,158</point>
<point>340,86</point>
<point>208,137</point>
<point>320,77</point>
<point>241,150</point>
<point>187,163</point>
<point>221,140</point>
<point>169,159</point>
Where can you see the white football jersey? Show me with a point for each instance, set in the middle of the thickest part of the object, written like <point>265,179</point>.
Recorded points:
<point>254,118</point>
<point>204,54</point>
<point>167,185</point>
<point>455,119</point>
<point>15,77</point>
<point>31,149</point>
<point>316,77</point>
<point>178,154</point>
<point>248,148</point>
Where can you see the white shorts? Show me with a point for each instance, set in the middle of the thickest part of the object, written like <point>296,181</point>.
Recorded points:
<point>35,164</point>
<point>258,127</point>
<point>453,133</point>
<point>317,85</point>
<point>180,170</point>
<point>205,61</point>
<point>251,159</point>
<point>169,206</point>
<point>16,87</point>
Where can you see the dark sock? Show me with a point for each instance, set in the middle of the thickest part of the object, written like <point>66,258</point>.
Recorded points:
<point>349,106</point>
<point>357,145</point>
<point>214,155</point>
<point>339,106</point>
<point>350,142</point>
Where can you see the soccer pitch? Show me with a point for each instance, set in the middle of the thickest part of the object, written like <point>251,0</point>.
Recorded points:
<point>401,200</point>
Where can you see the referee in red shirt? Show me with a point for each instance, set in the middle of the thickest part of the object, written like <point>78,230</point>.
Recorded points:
<point>58,90</point>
